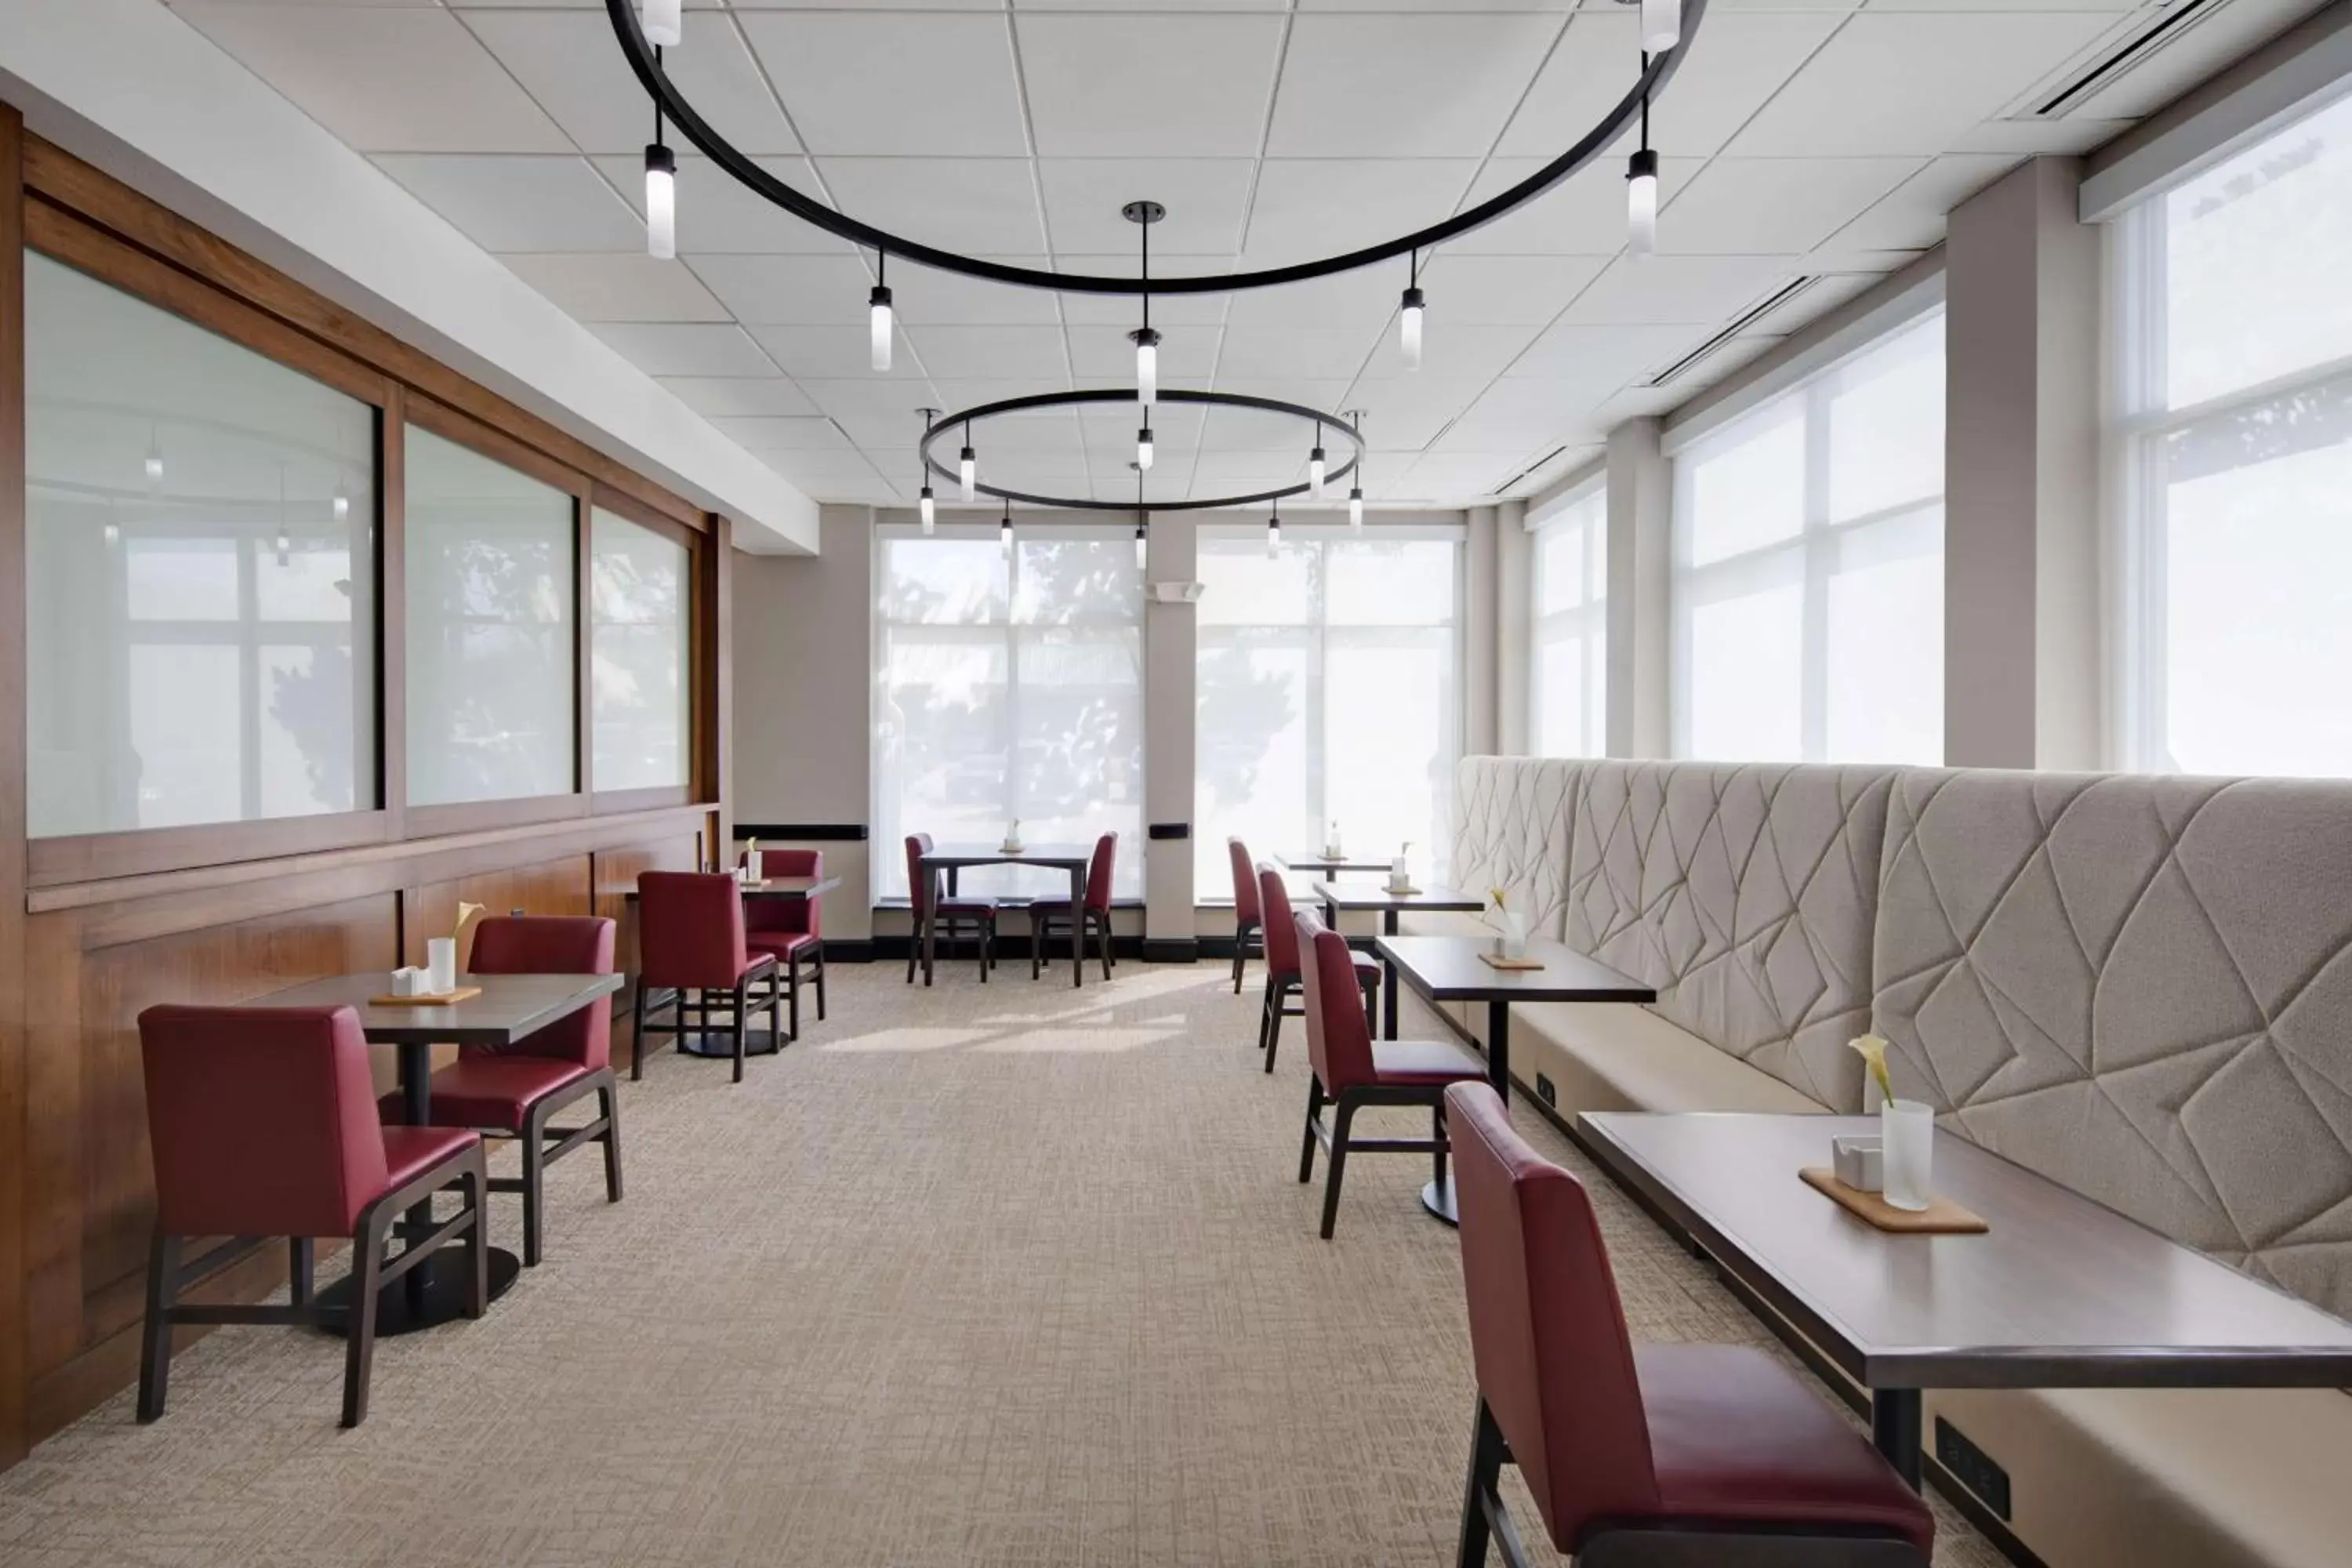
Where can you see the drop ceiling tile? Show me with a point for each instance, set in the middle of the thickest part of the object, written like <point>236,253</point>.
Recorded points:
<point>570,62</point>
<point>1455,477</point>
<point>974,353</point>
<point>971,204</point>
<point>618,285</point>
<point>1042,430</point>
<point>1740,206</point>
<point>668,348</point>
<point>2223,34</point>
<point>875,410</point>
<point>511,203</point>
<point>1405,413</point>
<point>408,81</point>
<point>1313,353</point>
<point>1363,298</point>
<point>1675,290</point>
<point>875,81</point>
<point>1835,258</point>
<point>1486,291</point>
<point>1263,430</point>
<point>818,472</point>
<point>826,5</point>
<point>1111,428</point>
<point>759,434</point>
<point>1308,208</point>
<point>1912,215</point>
<point>1100,354</point>
<point>717,396</point>
<point>1206,200</point>
<point>1817,298</point>
<point>1456,351</point>
<point>1239,473</point>
<point>1148,87</point>
<point>1605,356</point>
<point>1328,393</point>
<point>789,291</point>
<point>924,295</point>
<point>1865,87</point>
<point>839,354</point>
<point>1737,61</point>
<point>1148,4</point>
<point>1584,215</point>
<point>1404,86</point>
<point>717,215</point>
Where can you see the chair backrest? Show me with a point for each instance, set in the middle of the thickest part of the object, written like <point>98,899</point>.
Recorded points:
<point>919,888</point>
<point>1339,1040</point>
<point>263,1121</point>
<point>1245,900</point>
<point>1554,1364</point>
<point>1281,940</point>
<point>787,914</point>
<point>1098,872</point>
<point>690,928</point>
<point>553,945</point>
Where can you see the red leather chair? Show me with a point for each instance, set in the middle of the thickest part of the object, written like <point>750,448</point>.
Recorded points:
<point>956,915</point>
<point>1093,916</point>
<point>1282,969</point>
<point>690,939</point>
<point>263,1124</point>
<point>790,930</point>
<point>513,1093</point>
<point>1353,1071</point>
<point>1647,1455</point>
<point>1249,918</point>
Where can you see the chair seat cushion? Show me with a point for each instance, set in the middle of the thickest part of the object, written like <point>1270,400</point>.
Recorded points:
<point>1058,907</point>
<point>963,906</point>
<point>410,1151</point>
<point>1736,1437</point>
<point>1366,967</point>
<point>1423,1061</point>
<point>779,944</point>
<point>482,1088</point>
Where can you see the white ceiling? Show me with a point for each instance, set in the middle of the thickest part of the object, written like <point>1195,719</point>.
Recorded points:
<point>1820,138</point>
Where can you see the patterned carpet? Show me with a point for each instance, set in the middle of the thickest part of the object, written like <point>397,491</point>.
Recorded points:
<point>972,1276</point>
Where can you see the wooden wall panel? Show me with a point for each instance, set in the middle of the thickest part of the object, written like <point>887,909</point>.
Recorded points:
<point>556,887</point>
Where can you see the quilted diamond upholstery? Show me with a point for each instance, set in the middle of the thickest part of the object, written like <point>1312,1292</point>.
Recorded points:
<point>1511,824</point>
<point>1747,894</point>
<point>2140,986</point>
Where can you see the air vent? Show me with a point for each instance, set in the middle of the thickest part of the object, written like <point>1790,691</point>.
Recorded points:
<point>1505,487</point>
<point>1754,313</point>
<point>2103,70</point>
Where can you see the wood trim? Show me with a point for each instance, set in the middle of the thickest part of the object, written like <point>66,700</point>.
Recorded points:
<point>714,677</point>
<point>583,639</point>
<point>653,797</point>
<point>627,506</point>
<point>93,856</point>
<point>391,611</point>
<point>15,1106</point>
<point>491,442</point>
<point>67,238</point>
<point>60,178</point>
<point>485,816</point>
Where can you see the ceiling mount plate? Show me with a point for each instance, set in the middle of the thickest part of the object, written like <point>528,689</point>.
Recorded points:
<point>1143,212</point>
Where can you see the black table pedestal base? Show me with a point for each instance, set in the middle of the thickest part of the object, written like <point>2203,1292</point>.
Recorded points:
<point>712,1049</point>
<point>440,1299</point>
<point>1439,1200</point>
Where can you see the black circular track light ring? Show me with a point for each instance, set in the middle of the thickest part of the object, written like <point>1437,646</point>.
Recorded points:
<point>1096,395</point>
<point>1658,70</point>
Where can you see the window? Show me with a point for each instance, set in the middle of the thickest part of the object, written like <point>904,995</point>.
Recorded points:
<point>1567,689</point>
<point>2233,443</point>
<point>1809,576</point>
<point>490,640</point>
<point>1008,684</point>
<point>200,615</point>
<point>641,649</point>
<point>1330,691</point>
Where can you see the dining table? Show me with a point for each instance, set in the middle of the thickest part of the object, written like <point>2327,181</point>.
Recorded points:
<point>2059,1291</point>
<point>1455,969</point>
<point>509,1008</point>
<point>949,860</point>
<point>1390,904</point>
<point>1328,865</point>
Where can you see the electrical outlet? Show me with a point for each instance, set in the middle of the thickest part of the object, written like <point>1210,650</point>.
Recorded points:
<point>1545,1092</point>
<point>1972,1467</point>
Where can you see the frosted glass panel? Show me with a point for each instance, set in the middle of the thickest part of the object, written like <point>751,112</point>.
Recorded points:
<point>640,626</point>
<point>1747,677</point>
<point>490,591</point>
<point>1568,692</point>
<point>200,609</point>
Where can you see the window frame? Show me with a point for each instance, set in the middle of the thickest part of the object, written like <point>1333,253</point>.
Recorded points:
<point>629,509</point>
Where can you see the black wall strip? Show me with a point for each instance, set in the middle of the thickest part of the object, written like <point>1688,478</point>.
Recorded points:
<point>807,832</point>
<point>1171,830</point>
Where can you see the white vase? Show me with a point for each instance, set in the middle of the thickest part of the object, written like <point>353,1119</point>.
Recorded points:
<point>1906,1135</point>
<point>441,962</point>
<point>1514,927</point>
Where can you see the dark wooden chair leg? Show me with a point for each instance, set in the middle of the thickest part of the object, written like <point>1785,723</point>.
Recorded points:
<point>1486,1471</point>
<point>1241,951</point>
<point>914,948</point>
<point>1314,1109</point>
<point>1275,992</point>
<point>358,1350</point>
<point>1437,1139</point>
<point>608,1098</point>
<point>776,1036</point>
<point>155,1334</point>
<point>1264,1011</point>
<point>535,1180</point>
<point>302,1255</point>
<point>739,1024</point>
<point>476,1184</point>
<point>646,1007</point>
<point>1102,935</point>
<point>1343,1113</point>
<point>820,983</point>
<point>1372,1008</point>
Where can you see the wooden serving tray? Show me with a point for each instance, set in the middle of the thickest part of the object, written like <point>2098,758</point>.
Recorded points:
<point>435,999</point>
<point>1942,1216</point>
<point>1496,961</point>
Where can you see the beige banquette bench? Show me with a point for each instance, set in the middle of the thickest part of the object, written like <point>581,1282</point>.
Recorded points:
<point>2139,986</point>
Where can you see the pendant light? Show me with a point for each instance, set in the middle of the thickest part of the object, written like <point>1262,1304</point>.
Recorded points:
<point>1143,214</point>
<point>1005,530</point>
<point>878,315</point>
<point>154,456</point>
<point>1142,544</point>
<point>664,21</point>
<point>113,528</point>
<point>968,466</point>
<point>1143,447</point>
<point>1642,190</point>
<point>1662,26</point>
<point>1147,365</point>
<point>661,198</point>
<point>1315,466</point>
<point>342,502</point>
<point>925,505</point>
<point>1355,490</point>
<point>285,543</point>
<point>1409,317</point>
<point>929,509</point>
<point>1274,530</point>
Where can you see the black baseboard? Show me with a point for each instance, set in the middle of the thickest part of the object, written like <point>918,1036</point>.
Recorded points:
<point>1011,945</point>
<point>840,950</point>
<point>1172,950</point>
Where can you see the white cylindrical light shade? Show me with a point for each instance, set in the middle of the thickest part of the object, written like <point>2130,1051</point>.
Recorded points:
<point>154,462</point>
<point>878,318</point>
<point>968,473</point>
<point>930,512</point>
<point>1662,24</point>
<point>661,204</point>
<point>1147,371</point>
<point>1641,204</point>
<point>1273,535</point>
<point>1356,507</point>
<point>1142,547</point>
<point>1409,328</point>
<point>1004,531</point>
<point>1143,447</point>
<point>664,21</point>
<point>1314,472</point>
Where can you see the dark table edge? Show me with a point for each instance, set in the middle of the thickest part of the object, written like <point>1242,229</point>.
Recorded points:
<point>821,886</point>
<point>442,1033</point>
<point>2027,1366</point>
<point>1634,992</point>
